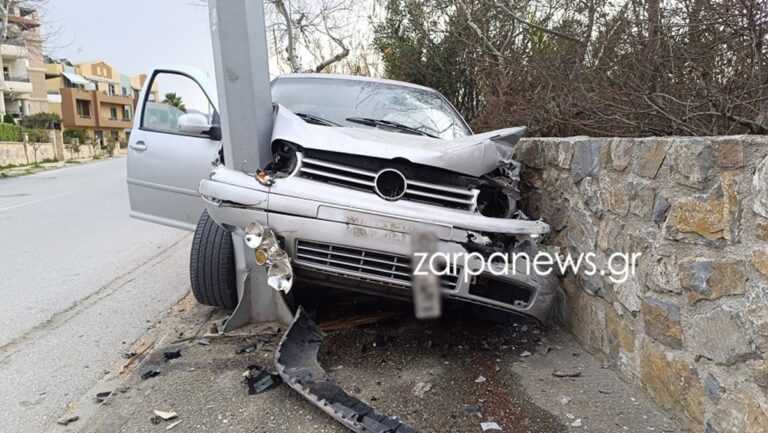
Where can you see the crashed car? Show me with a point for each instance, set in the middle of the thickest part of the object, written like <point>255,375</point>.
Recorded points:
<point>359,166</point>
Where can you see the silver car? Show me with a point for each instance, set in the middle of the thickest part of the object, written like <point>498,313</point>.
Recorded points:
<point>360,167</point>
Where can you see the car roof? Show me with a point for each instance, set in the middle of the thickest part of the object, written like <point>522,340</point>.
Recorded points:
<point>354,78</point>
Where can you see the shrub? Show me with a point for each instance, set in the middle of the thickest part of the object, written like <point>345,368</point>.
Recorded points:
<point>78,133</point>
<point>41,121</point>
<point>7,118</point>
<point>10,132</point>
<point>37,135</point>
<point>73,146</point>
<point>111,143</point>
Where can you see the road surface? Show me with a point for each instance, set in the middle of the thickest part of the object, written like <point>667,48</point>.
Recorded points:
<point>79,281</point>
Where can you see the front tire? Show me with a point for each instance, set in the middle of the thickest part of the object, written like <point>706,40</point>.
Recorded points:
<point>212,265</point>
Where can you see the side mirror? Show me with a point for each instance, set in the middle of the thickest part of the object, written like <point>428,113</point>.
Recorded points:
<point>197,124</point>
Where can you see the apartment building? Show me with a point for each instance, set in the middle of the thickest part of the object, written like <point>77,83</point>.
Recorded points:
<point>22,84</point>
<point>93,96</point>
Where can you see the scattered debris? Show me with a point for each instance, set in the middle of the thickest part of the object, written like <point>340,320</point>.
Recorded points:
<point>421,389</point>
<point>576,423</point>
<point>248,348</point>
<point>155,420</point>
<point>172,353</point>
<point>558,373</point>
<point>525,354</point>
<point>354,321</point>
<point>489,426</point>
<point>149,373</point>
<point>203,342</point>
<point>166,415</point>
<point>296,361</point>
<point>100,397</point>
<point>123,389</point>
<point>67,420</point>
<point>603,391</point>
<point>259,380</point>
<point>544,350</point>
<point>475,409</point>
<point>427,344</point>
<point>564,399</point>
<point>480,379</point>
<point>173,424</point>
<point>493,342</point>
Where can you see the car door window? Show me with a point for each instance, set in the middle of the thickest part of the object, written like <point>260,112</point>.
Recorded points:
<point>170,96</point>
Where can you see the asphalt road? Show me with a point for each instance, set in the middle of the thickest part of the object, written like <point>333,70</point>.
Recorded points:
<point>79,281</point>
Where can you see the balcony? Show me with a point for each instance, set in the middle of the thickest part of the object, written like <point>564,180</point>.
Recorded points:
<point>17,84</point>
<point>114,122</point>
<point>13,49</point>
<point>104,97</point>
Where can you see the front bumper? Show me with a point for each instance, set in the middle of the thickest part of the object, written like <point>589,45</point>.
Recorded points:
<point>369,249</point>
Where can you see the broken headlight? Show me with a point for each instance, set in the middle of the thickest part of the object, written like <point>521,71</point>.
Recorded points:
<point>268,253</point>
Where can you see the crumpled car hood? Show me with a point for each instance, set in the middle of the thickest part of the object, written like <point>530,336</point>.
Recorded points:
<point>474,155</point>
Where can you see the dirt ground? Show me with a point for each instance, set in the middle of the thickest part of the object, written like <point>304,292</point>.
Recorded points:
<point>448,375</point>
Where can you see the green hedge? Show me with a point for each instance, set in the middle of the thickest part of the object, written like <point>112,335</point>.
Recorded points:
<point>10,132</point>
<point>37,135</point>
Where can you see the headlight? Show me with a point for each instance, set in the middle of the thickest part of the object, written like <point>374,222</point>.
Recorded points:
<point>268,253</point>
<point>254,234</point>
<point>280,276</point>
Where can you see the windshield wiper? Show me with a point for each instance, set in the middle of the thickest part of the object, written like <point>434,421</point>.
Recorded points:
<point>311,118</point>
<point>389,124</point>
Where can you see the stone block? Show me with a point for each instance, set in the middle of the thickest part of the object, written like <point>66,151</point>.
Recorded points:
<point>586,160</point>
<point>712,279</point>
<point>663,321</point>
<point>721,335</point>
<point>650,156</point>
<point>759,259</point>
<point>592,196</point>
<point>761,230</point>
<point>641,196</point>
<point>742,410</point>
<point>729,152</point>
<point>673,382</point>
<point>757,310</point>
<point>692,161</point>
<point>713,388</point>
<point>660,208</point>
<point>559,153</point>
<point>621,153</point>
<point>712,219</point>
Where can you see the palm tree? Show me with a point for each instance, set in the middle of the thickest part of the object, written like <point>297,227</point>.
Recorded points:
<point>175,100</point>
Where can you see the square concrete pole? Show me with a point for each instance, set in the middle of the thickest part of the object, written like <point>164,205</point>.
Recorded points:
<point>241,63</point>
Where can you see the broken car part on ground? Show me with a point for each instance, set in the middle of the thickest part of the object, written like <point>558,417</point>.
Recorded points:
<point>296,361</point>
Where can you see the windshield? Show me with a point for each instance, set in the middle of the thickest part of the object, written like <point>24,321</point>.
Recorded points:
<point>337,100</point>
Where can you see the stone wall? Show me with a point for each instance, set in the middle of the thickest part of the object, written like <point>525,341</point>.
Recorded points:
<point>18,153</point>
<point>691,326</point>
<point>22,154</point>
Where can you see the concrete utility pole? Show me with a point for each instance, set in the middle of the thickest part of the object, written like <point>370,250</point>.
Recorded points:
<point>241,63</point>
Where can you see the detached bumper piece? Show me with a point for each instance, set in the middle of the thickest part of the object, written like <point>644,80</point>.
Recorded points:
<point>297,364</point>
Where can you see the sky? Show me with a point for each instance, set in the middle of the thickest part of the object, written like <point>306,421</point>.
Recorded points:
<point>131,35</point>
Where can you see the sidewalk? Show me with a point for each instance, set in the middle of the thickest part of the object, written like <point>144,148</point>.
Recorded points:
<point>442,376</point>
<point>24,170</point>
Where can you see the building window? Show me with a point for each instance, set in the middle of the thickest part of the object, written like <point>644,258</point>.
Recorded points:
<point>136,94</point>
<point>112,113</point>
<point>83,108</point>
<point>125,91</point>
<point>112,90</point>
<point>127,112</point>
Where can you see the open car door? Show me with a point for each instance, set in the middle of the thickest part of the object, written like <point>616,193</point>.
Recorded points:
<point>176,135</point>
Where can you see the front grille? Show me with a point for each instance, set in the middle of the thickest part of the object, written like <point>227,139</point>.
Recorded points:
<point>360,264</point>
<point>362,179</point>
